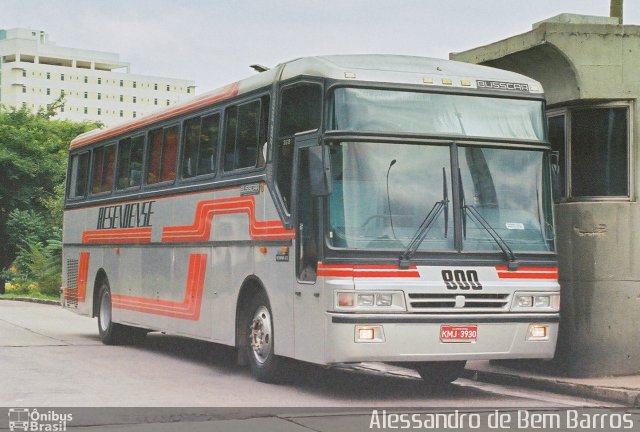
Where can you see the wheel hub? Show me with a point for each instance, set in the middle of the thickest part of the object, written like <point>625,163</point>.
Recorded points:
<point>261,334</point>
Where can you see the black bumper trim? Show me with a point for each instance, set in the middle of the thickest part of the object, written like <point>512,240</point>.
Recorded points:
<point>444,319</point>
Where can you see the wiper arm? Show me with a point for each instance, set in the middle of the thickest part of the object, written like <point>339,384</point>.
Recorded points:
<point>512,260</point>
<point>427,222</point>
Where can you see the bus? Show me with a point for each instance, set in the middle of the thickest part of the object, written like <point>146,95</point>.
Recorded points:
<point>332,209</point>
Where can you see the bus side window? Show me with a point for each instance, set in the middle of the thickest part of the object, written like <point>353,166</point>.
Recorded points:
<point>103,168</point>
<point>200,145</point>
<point>130,162</point>
<point>78,175</point>
<point>300,110</point>
<point>161,163</point>
<point>246,133</point>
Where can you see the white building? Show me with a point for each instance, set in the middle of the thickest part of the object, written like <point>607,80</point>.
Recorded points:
<point>96,85</point>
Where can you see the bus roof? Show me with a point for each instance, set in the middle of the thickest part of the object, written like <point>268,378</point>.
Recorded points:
<point>365,67</point>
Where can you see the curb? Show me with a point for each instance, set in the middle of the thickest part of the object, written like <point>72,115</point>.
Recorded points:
<point>32,300</point>
<point>630,398</point>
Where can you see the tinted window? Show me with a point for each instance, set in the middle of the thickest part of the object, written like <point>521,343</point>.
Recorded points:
<point>79,174</point>
<point>599,152</point>
<point>130,162</point>
<point>557,137</point>
<point>161,164</point>
<point>200,145</point>
<point>103,168</point>
<point>246,134</point>
<point>300,109</point>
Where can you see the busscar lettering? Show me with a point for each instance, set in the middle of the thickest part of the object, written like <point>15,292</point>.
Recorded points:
<point>502,85</point>
<point>134,215</point>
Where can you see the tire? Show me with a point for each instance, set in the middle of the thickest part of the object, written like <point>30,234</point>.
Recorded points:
<point>112,333</point>
<point>263,362</point>
<point>440,373</point>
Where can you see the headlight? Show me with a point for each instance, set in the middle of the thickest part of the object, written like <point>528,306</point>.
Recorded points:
<point>536,302</point>
<point>354,301</point>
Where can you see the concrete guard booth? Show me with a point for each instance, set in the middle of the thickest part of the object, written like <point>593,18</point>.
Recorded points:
<point>590,70</point>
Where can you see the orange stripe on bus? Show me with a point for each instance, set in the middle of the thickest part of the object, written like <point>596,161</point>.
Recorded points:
<point>200,229</point>
<point>190,306</point>
<point>528,273</point>
<point>123,235</point>
<point>366,271</point>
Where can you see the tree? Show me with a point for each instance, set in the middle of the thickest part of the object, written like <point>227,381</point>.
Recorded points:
<point>33,160</point>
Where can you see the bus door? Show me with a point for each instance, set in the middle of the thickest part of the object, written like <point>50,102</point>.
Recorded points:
<point>307,296</point>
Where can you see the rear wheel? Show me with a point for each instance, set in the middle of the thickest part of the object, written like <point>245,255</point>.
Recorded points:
<point>262,359</point>
<point>112,333</point>
<point>440,373</point>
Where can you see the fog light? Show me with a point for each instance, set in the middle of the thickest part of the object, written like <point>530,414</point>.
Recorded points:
<point>365,299</point>
<point>368,334</point>
<point>345,299</point>
<point>384,300</point>
<point>525,301</point>
<point>541,301</point>
<point>538,332</point>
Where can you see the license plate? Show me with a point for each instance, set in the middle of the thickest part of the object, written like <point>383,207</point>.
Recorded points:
<point>458,333</point>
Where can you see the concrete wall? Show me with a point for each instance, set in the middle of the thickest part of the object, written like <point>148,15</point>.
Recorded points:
<point>598,241</point>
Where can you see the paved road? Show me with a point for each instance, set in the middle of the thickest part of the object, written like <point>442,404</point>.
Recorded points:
<point>50,357</point>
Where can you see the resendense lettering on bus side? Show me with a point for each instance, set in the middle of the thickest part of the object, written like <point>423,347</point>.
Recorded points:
<point>134,215</point>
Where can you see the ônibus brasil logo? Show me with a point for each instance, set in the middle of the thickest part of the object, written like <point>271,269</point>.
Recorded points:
<point>25,419</point>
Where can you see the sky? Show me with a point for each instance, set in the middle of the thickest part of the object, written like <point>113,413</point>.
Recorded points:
<point>213,42</point>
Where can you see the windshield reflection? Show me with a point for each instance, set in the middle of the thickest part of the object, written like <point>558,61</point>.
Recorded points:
<point>382,193</point>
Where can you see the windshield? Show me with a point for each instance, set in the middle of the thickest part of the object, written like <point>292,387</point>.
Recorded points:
<point>382,193</point>
<point>436,114</point>
<point>510,191</point>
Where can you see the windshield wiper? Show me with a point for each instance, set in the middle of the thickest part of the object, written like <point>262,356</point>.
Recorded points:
<point>427,222</point>
<point>512,260</point>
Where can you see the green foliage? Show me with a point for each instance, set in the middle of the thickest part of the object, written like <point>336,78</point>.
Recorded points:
<point>33,160</point>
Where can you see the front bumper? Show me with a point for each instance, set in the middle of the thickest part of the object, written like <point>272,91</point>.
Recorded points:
<point>416,338</point>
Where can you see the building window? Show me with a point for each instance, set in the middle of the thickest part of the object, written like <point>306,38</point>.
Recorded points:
<point>168,102</point>
<point>134,99</point>
<point>99,111</point>
<point>121,98</point>
<point>86,110</point>
<point>591,146</point>
<point>99,96</point>
<point>48,92</point>
<point>121,113</point>
<point>86,95</point>
<point>121,83</point>
<point>86,79</point>
<point>62,93</point>
<point>135,84</point>
<point>61,77</point>
<point>155,86</point>
<point>99,80</point>
<point>24,73</point>
<point>48,75</point>
<point>24,89</point>
<point>134,114</point>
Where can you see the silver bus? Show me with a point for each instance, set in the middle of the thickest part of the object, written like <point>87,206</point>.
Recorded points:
<point>332,210</point>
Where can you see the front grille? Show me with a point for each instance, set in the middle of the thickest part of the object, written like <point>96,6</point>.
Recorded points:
<point>458,302</point>
<point>71,291</point>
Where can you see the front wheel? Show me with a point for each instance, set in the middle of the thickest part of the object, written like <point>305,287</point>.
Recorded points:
<point>440,373</point>
<point>262,359</point>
